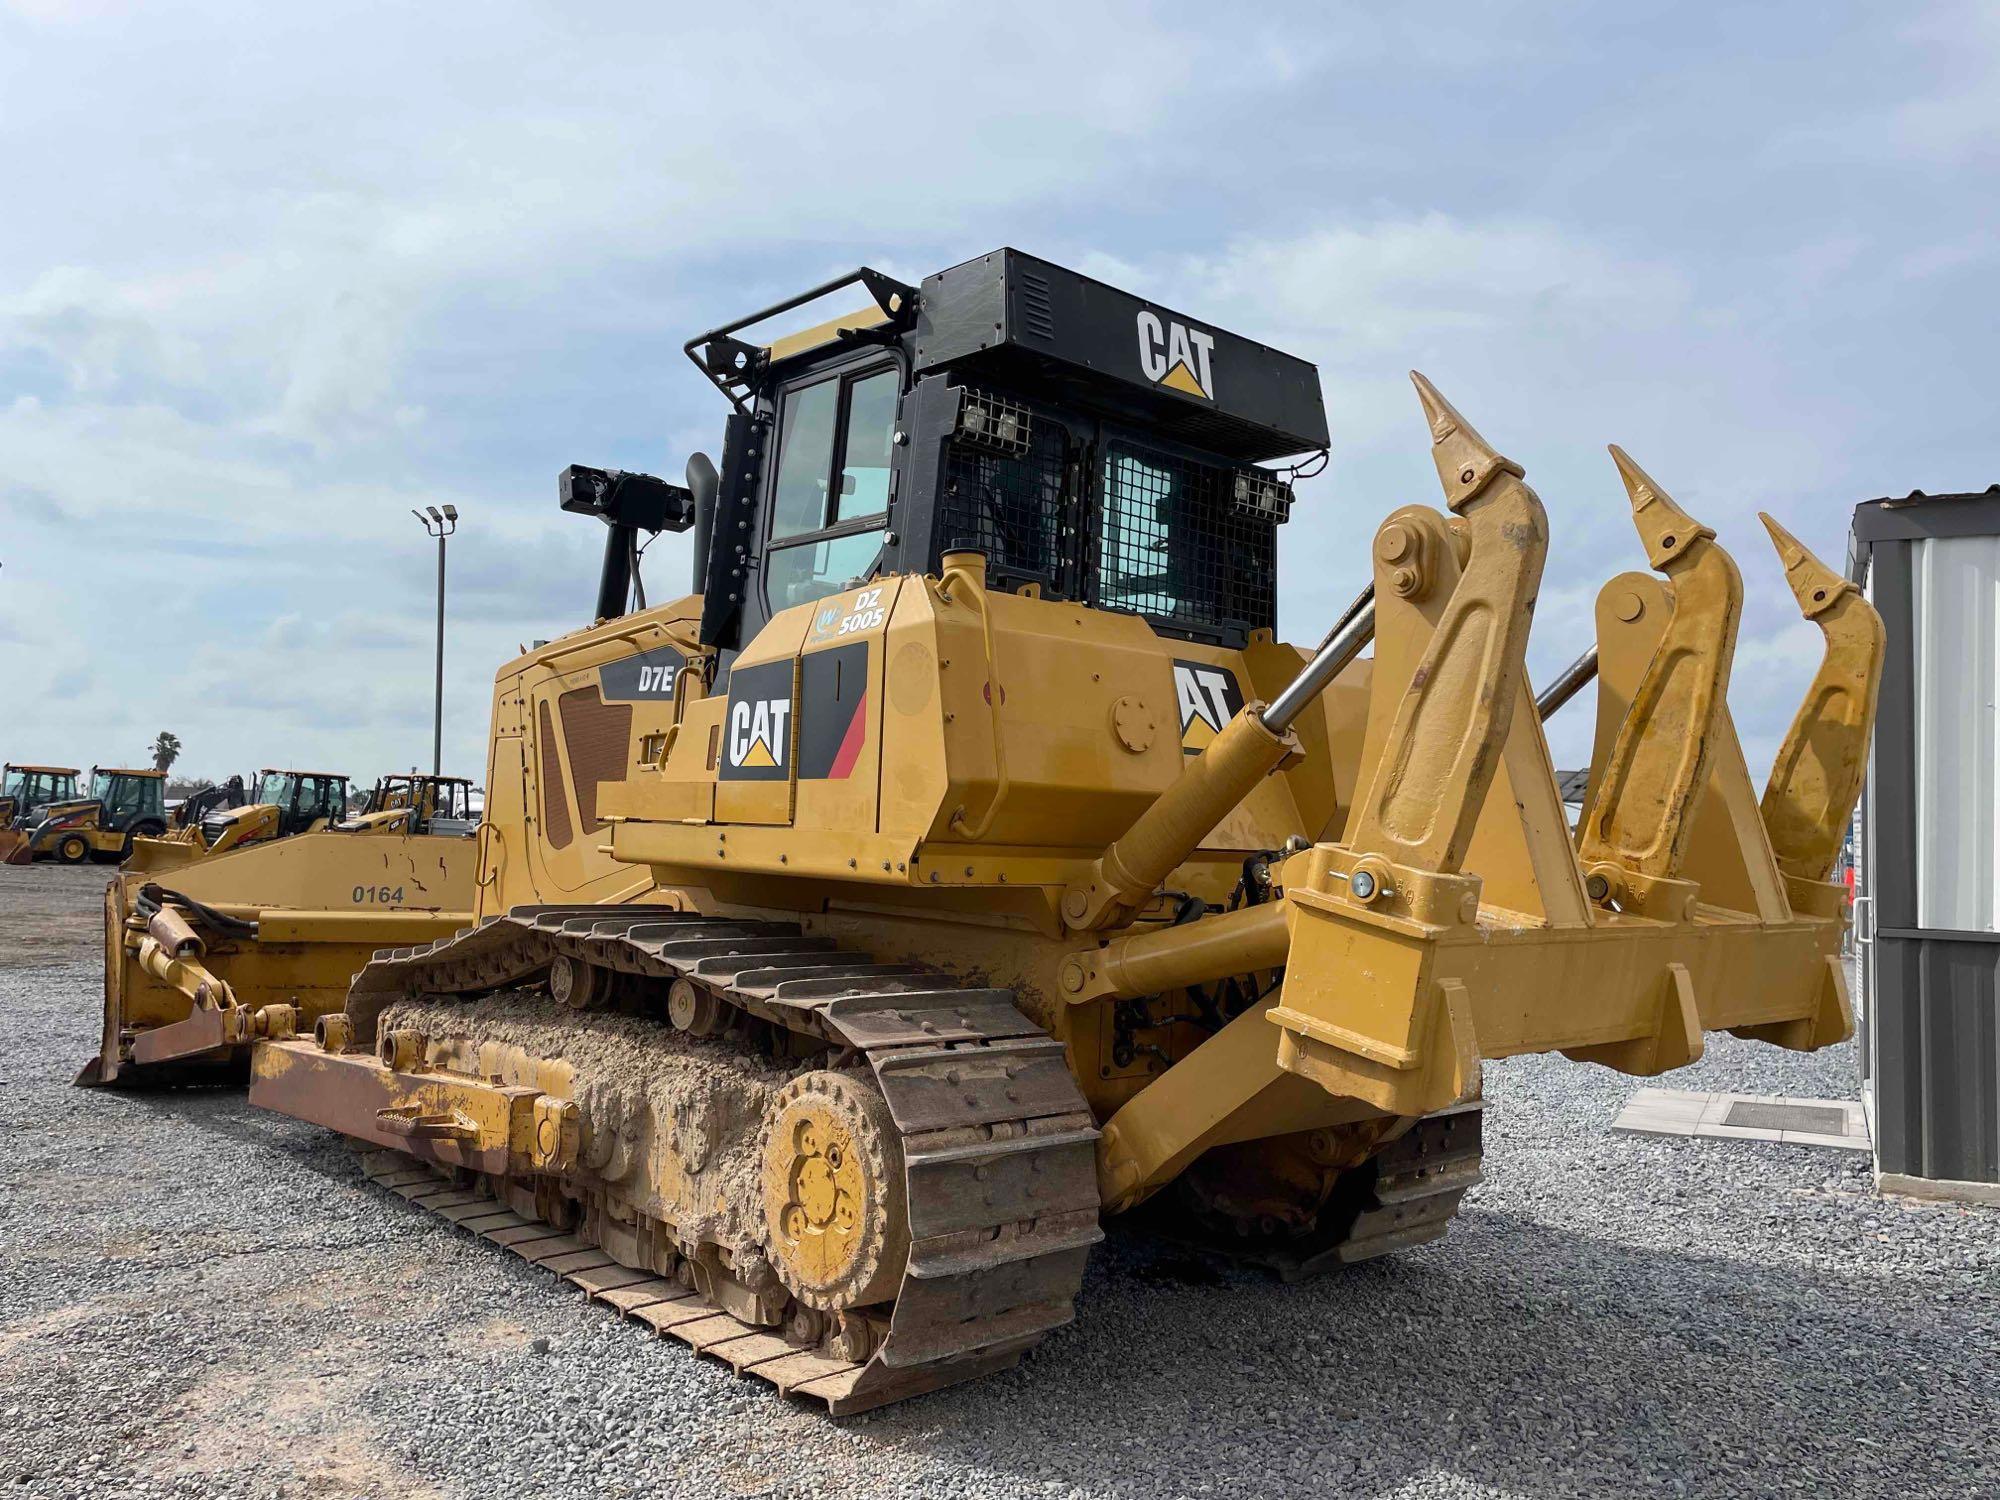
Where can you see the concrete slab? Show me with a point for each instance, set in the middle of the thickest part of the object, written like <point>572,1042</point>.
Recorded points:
<point>1688,1113</point>
<point>1837,1142</point>
<point>1626,1125</point>
<point>1671,1105</point>
<point>1738,1133</point>
<point>1718,1106</point>
<point>1936,1189</point>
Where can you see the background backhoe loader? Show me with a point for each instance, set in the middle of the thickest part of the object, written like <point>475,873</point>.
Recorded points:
<point>24,792</point>
<point>121,806</point>
<point>283,804</point>
<point>410,802</point>
<point>965,860</point>
<point>199,804</point>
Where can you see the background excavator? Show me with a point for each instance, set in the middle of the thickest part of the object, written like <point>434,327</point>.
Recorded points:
<point>965,860</point>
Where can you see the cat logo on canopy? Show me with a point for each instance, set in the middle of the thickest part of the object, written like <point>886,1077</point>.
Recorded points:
<point>1209,698</point>
<point>1176,356</point>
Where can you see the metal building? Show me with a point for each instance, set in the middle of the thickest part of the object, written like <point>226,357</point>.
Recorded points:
<point>1928,914</point>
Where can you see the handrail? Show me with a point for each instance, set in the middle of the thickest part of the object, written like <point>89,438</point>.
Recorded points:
<point>961,565</point>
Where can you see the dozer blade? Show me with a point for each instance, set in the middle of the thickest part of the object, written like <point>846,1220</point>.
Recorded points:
<point>277,932</point>
<point>1816,778</point>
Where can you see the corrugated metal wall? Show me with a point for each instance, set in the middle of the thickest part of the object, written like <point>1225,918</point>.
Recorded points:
<point>1931,848</point>
<point>1955,604</point>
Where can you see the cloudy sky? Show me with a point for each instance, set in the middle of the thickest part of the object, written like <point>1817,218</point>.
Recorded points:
<point>270,275</point>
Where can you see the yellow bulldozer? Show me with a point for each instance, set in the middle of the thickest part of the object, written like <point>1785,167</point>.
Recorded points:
<point>203,959</point>
<point>965,860</point>
<point>210,946</point>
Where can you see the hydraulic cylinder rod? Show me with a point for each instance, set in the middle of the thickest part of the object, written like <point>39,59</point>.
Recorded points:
<point>1569,682</point>
<point>1355,630</point>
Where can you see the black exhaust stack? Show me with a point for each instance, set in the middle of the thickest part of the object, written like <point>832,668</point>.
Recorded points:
<point>704,484</point>
<point>629,503</point>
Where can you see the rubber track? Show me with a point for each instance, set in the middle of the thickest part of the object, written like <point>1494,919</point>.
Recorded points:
<point>999,1146</point>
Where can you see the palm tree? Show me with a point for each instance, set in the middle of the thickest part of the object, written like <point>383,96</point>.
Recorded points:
<point>166,750</point>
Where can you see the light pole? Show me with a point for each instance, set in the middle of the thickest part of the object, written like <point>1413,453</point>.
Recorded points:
<point>439,526</point>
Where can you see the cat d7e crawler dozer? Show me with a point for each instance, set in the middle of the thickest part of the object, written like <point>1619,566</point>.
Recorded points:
<point>1003,871</point>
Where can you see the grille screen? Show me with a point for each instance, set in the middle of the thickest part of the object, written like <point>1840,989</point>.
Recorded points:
<point>1014,508</point>
<point>598,736</point>
<point>1816,1119</point>
<point>555,804</point>
<point>1172,544</point>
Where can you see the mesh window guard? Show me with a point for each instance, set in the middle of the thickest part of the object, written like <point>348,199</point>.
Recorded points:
<point>1173,545</point>
<point>1012,506</point>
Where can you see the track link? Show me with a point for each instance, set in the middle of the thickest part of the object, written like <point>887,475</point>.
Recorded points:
<point>998,1143</point>
<point>1403,1196</point>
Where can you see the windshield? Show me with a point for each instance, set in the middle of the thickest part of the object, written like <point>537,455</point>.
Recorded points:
<point>271,788</point>
<point>100,784</point>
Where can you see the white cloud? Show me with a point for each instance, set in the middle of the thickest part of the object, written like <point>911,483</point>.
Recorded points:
<point>292,270</point>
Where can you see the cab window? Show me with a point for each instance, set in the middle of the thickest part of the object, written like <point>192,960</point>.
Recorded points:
<point>831,499</point>
<point>319,798</point>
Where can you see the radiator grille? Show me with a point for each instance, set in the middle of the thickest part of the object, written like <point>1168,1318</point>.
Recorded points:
<point>598,736</point>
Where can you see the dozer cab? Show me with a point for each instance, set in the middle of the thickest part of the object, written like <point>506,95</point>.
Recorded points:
<point>414,803</point>
<point>990,867</point>
<point>122,805</point>
<point>24,792</point>
<point>284,804</point>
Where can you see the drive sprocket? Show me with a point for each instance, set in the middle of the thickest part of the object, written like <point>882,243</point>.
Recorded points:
<point>835,1204</point>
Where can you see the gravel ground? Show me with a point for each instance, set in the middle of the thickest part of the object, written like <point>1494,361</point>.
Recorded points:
<point>200,1299</point>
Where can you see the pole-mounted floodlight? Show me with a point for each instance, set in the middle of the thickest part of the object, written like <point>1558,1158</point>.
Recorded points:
<point>439,526</point>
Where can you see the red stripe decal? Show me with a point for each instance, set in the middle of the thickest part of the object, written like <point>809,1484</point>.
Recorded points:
<point>851,742</point>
